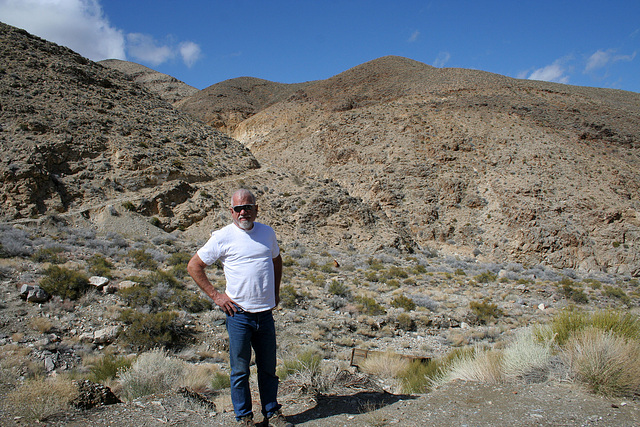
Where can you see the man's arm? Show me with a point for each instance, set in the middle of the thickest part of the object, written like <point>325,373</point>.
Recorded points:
<point>277,272</point>
<point>196,269</point>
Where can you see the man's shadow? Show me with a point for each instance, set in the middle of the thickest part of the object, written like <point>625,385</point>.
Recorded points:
<point>364,401</point>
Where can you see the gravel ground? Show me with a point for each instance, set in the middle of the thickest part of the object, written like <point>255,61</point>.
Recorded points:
<point>455,404</point>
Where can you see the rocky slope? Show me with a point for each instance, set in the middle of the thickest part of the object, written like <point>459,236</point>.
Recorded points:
<point>169,88</point>
<point>469,162</point>
<point>78,139</point>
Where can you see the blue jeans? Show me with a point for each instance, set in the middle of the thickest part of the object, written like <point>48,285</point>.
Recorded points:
<point>257,330</point>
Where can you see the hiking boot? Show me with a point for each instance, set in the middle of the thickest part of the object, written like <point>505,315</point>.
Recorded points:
<point>245,421</point>
<point>278,420</point>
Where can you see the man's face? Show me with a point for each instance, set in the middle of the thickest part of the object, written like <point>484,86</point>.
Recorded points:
<point>246,216</point>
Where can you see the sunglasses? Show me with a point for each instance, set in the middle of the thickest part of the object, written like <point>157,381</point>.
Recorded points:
<point>240,208</point>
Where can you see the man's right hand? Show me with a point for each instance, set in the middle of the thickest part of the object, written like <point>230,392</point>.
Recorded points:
<point>227,305</point>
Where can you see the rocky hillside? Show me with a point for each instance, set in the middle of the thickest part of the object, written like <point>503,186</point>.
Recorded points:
<point>465,161</point>
<point>169,88</point>
<point>81,139</point>
<point>226,104</point>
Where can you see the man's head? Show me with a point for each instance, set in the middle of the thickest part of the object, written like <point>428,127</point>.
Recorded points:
<point>244,209</point>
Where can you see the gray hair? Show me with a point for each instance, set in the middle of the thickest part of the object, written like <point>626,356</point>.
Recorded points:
<point>243,192</point>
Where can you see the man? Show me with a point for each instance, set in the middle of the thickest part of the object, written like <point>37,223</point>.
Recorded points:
<point>250,256</point>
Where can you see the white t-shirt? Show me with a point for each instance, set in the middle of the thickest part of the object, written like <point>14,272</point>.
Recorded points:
<point>247,258</point>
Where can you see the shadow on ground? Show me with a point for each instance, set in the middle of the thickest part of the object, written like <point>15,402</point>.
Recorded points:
<point>330,405</point>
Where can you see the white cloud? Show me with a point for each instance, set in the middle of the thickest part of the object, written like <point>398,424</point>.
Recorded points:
<point>190,53</point>
<point>143,47</point>
<point>551,73</point>
<point>82,26</point>
<point>414,36</point>
<point>442,59</point>
<point>602,58</point>
<point>77,24</point>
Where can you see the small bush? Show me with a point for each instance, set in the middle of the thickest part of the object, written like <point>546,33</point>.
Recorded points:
<point>40,324</point>
<point>288,296</point>
<point>368,305</point>
<point>339,289</point>
<point>307,362</point>
<point>220,381</point>
<point>486,277</point>
<point>51,255</point>
<point>404,302</point>
<point>485,311</point>
<point>145,331</point>
<point>417,375</point>
<point>99,266</point>
<point>384,365</point>
<point>152,372</point>
<point>607,364</point>
<point>405,322</point>
<point>107,367</point>
<point>570,291</point>
<point>39,398</point>
<point>618,293</point>
<point>142,259</point>
<point>64,282</point>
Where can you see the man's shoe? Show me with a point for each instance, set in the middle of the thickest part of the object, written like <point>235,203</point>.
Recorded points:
<point>278,420</point>
<point>245,421</point>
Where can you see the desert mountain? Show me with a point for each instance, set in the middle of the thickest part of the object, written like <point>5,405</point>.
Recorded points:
<point>463,161</point>
<point>169,88</point>
<point>87,141</point>
<point>76,134</point>
<point>226,104</point>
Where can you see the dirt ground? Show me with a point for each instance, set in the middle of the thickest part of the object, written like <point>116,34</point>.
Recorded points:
<point>455,404</point>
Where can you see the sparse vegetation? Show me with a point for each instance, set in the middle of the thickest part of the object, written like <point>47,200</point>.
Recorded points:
<point>64,282</point>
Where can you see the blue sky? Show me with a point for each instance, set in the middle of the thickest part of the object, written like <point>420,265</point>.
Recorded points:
<point>202,42</point>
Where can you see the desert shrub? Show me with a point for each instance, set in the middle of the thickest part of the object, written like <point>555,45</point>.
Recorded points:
<point>368,305</point>
<point>307,362</point>
<point>14,242</point>
<point>607,364</point>
<point>402,301</point>
<point>569,322</point>
<point>394,272</point>
<point>486,277</point>
<point>574,293</point>
<point>425,301</point>
<point>416,376</point>
<point>220,381</point>
<point>485,310</point>
<point>39,398</point>
<point>421,377</point>
<point>159,291</point>
<point>371,276</point>
<point>152,372</point>
<point>98,265</point>
<point>142,259</point>
<point>202,377</point>
<point>107,367</point>
<point>178,262</point>
<point>477,365</point>
<point>405,322</point>
<point>145,331</point>
<point>384,365</point>
<point>52,255</point>
<point>339,289</point>
<point>129,206</point>
<point>526,358</point>
<point>40,324</point>
<point>64,282</point>
<point>618,293</point>
<point>288,296</point>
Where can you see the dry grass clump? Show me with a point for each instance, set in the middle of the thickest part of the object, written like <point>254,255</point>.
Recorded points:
<point>152,372</point>
<point>39,398</point>
<point>606,363</point>
<point>385,365</point>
